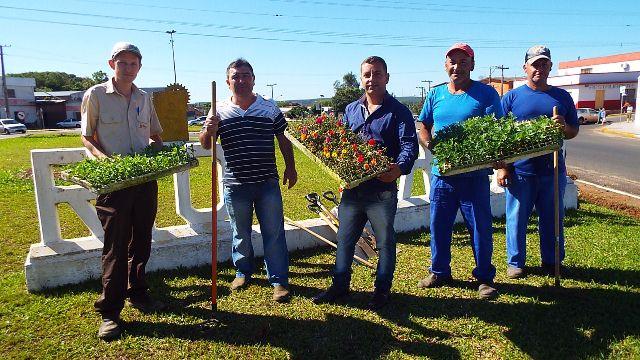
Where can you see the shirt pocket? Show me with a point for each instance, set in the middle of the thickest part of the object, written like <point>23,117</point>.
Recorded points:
<point>110,118</point>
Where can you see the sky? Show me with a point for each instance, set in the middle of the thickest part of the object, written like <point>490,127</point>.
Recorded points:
<point>303,46</point>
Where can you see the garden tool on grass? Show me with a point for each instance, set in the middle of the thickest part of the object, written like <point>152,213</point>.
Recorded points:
<point>327,216</point>
<point>327,241</point>
<point>369,237</point>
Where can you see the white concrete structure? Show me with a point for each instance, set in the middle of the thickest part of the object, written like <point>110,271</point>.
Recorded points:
<point>596,82</point>
<point>22,102</point>
<point>56,261</point>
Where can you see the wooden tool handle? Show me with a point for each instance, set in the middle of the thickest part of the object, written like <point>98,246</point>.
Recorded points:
<point>214,210</point>
<point>556,206</point>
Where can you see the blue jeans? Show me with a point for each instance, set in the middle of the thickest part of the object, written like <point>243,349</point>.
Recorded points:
<point>356,207</point>
<point>470,195</point>
<point>521,195</point>
<point>240,201</point>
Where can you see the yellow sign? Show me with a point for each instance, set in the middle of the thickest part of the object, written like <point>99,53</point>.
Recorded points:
<point>171,107</point>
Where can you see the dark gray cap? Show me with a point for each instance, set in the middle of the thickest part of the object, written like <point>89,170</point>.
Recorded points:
<point>537,52</point>
<point>125,46</point>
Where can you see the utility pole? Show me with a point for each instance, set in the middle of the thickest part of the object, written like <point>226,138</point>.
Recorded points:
<point>428,82</point>
<point>5,92</point>
<point>422,88</point>
<point>271,86</point>
<point>502,69</point>
<point>173,55</point>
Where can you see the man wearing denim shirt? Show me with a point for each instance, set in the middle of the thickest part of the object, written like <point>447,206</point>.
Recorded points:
<point>378,116</point>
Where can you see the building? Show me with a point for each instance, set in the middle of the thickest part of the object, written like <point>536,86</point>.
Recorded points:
<point>22,104</point>
<point>597,82</point>
<point>56,106</point>
<point>502,86</point>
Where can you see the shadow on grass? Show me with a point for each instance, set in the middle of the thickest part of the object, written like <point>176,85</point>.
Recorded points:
<point>562,323</point>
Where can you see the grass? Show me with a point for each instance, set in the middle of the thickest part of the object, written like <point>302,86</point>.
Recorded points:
<point>594,315</point>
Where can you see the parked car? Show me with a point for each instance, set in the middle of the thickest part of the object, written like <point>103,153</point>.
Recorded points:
<point>9,126</point>
<point>197,121</point>
<point>587,115</point>
<point>69,123</point>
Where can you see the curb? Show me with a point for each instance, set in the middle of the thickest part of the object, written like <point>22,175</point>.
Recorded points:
<point>620,133</point>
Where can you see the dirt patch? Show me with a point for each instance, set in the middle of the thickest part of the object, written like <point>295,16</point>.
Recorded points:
<point>617,202</point>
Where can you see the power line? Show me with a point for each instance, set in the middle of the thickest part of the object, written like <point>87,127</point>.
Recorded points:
<point>365,19</point>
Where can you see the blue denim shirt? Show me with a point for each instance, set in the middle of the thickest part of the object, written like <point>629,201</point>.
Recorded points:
<point>392,126</point>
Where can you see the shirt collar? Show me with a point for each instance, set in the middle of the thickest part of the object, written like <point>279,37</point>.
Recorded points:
<point>111,88</point>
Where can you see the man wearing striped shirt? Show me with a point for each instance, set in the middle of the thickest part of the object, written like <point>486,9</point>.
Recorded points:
<point>247,124</point>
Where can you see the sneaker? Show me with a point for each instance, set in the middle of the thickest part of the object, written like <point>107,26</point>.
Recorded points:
<point>147,304</point>
<point>280,294</point>
<point>239,283</point>
<point>434,280</point>
<point>515,272</point>
<point>109,330</point>
<point>330,296</point>
<point>486,291</point>
<point>379,299</point>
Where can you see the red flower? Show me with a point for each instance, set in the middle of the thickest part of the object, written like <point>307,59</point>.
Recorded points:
<point>319,120</point>
<point>360,158</point>
<point>339,123</point>
<point>354,146</point>
<point>371,142</point>
<point>327,139</point>
<point>331,132</point>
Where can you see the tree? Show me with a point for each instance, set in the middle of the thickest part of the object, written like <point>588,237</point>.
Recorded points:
<point>344,96</point>
<point>347,92</point>
<point>61,81</point>
<point>348,80</point>
<point>298,112</point>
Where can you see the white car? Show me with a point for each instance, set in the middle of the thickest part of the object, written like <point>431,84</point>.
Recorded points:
<point>69,123</point>
<point>197,121</point>
<point>9,126</point>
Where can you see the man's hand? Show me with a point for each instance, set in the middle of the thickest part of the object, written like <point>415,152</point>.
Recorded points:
<point>503,177</point>
<point>560,120</point>
<point>210,126</point>
<point>390,175</point>
<point>499,165</point>
<point>290,176</point>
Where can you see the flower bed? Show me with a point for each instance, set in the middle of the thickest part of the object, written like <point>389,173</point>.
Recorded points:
<point>117,172</point>
<point>341,153</point>
<point>480,141</point>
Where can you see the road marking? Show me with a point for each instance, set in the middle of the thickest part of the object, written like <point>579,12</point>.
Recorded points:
<point>608,189</point>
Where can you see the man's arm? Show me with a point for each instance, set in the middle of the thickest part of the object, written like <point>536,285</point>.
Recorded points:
<point>408,147</point>
<point>93,145</point>
<point>425,137</point>
<point>290,175</point>
<point>209,130</point>
<point>156,141</point>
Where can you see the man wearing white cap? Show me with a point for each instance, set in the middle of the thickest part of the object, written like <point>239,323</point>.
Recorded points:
<point>529,182</point>
<point>455,102</point>
<point>119,118</point>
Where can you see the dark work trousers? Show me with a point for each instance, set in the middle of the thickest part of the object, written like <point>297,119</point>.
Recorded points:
<point>127,217</point>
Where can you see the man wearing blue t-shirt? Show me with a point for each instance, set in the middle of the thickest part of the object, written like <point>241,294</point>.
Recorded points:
<point>529,182</point>
<point>457,101</point>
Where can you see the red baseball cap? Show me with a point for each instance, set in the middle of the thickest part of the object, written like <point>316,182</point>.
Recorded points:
<point>461,46</point>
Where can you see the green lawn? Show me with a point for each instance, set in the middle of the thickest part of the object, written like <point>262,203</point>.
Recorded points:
<point>595,314</point>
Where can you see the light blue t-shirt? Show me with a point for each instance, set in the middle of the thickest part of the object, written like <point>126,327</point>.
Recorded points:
<point>526,103</point>
<point>442,108</point>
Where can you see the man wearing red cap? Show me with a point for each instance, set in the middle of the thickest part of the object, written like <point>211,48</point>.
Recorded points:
<point>119,118</point>
<point>458,100</point>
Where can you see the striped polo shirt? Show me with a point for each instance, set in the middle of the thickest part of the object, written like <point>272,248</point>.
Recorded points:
<point>246,137</point>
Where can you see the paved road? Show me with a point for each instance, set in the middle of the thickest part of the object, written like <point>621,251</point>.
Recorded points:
<point>603,159</point>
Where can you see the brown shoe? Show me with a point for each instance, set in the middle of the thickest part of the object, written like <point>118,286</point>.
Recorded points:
<point>515,272</point>
<point>434,280</point>
<point>486,291</point>
<point>239,283</point>
<point>280,293</point>
<point>109,330</point>
<point>379,299</point>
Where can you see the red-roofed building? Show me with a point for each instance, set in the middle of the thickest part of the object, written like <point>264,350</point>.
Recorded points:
<point>596,82</point>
